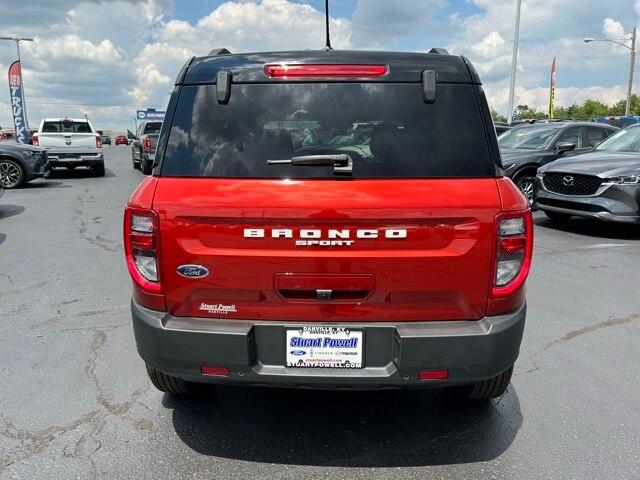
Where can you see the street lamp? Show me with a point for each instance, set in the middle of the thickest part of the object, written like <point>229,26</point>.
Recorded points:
<point>18,40</point>
<point>514,63</point>
<point>632,62</point>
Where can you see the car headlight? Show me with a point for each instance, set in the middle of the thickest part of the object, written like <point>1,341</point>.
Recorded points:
<point>630,180</point>
<point>29,153</point>
<point>539,174</point>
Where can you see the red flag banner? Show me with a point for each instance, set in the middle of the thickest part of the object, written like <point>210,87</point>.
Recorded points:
<point>17,102</point>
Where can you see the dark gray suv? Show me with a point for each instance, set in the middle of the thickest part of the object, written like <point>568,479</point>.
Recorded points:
<point>527,147</point>
<point>21,163</point>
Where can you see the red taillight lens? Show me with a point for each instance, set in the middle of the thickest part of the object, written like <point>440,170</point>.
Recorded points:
<point>142,253</point>
<point>433,374</point>
<point>146,144</point>
<point>35,140</point>
<point>98,141</point>
<point>210,371</point>
<point>302,71</point>
<point>513,254</point>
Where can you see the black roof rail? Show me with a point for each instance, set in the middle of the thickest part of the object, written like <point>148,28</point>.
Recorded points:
<point>219,51</point>
<point>439,51</point>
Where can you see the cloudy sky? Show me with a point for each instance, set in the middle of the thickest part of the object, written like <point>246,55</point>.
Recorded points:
<point>108,58</point>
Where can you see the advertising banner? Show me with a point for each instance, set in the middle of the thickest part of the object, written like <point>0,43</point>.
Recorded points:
<point>17,103</point>
<point>150,115</point>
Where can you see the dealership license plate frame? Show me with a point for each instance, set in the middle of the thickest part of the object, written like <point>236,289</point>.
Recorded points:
<point>315,331</point>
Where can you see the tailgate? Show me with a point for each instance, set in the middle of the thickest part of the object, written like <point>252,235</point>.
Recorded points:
<point>68,142</point>
<point>326,250</point>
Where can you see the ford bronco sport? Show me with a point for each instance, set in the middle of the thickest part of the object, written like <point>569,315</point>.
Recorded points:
<point>329,219</point>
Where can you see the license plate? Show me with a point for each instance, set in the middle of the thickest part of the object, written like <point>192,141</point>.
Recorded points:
<point>324,347</point>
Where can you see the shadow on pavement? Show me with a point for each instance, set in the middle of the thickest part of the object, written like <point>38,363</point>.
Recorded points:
<point>80,172</point>
<point>593,228</point>
<point>3,237</point>
<point>392,428</point>
<point>42,183</point>
<point>7,211</point>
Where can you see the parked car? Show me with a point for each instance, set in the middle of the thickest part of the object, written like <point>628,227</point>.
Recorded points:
<point>259,263</point>
<point>501,128</point>
<point>143,146</point>
<point>71,143</point>
<point>21,163</point>
<point>106,140</point>
<point>122,140</point>
<point>619,121</point>
<point>602,184</point>
<point>527,147</point>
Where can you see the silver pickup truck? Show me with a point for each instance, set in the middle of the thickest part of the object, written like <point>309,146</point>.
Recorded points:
<point>71,143</point>
<point>143,146</point>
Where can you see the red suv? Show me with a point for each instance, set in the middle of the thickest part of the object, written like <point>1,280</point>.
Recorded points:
<point>329,219</point>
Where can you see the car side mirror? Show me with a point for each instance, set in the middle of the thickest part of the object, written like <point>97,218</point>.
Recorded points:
<point>565,147</point>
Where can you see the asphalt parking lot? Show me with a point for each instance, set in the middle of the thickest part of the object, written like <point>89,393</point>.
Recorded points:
<point>75,401</point>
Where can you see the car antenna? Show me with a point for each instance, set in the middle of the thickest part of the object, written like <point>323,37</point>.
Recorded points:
<point>327,45</point>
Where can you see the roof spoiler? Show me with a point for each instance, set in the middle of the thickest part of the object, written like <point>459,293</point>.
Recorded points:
<point>439,51</point>
<point>219,51</point>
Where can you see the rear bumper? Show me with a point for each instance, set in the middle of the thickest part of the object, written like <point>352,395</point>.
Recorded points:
<point>254,351</point>
<point>78,160</point>
<point>616,203</point>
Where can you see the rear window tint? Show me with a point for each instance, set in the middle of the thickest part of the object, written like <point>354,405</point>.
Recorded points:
<point>386,128</point>
<point>66,127</point>
<point>152,128</point>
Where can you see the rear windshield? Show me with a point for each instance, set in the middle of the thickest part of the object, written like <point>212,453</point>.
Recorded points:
<point>66,126</point>
<point>152,128</point>
<point>386,129</point>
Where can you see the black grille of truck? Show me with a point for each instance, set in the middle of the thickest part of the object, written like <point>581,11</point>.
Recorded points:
<point>571,184</point>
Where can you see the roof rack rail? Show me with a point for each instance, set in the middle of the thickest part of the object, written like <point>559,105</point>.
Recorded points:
<point>439,51</point>
<point>219,51</point>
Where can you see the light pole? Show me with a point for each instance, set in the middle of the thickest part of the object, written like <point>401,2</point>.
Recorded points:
<point>632,62</point>
<point>514,63</point>
<point>18,40</point>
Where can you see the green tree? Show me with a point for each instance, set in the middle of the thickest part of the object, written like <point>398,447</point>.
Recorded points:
<point>497,117</point>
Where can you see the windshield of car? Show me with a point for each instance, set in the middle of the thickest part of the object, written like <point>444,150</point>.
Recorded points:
<point>152,128</point>
<point>65,126</point>
<point>527,138</point>
<point>386,128</point>
<point>627,140</point>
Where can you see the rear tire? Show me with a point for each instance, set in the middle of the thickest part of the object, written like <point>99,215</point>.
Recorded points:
<point>557,216</point>
<point>147,167</point>
<point>167,383</point>
<point>98,169</point>
<point>492,388</point>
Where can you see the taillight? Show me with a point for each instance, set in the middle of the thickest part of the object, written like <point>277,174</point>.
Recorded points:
<point>146,144</point>
<point>35,141</point>
<point>141,228</point>
<point>513,252</point>
<point>98,141</point>
<point>302,71</point>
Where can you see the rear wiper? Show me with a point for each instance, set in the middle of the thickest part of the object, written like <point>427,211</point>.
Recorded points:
<point>342,163</point>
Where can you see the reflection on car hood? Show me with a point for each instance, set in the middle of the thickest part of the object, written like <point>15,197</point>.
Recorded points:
<point>516,156</point>
<point>18,147</point>
<point>602,164</point>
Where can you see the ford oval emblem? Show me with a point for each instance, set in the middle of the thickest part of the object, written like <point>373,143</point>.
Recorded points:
<point>193,271</point>
<point>298,352</point>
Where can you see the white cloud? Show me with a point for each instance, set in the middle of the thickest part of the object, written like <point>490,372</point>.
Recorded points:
<point>249,26</point>
<point>72,46</point>
<point>612,29</point>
